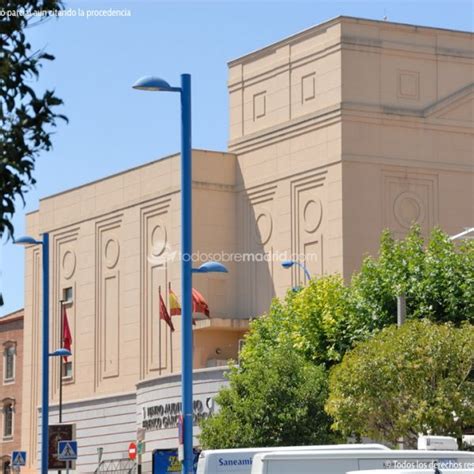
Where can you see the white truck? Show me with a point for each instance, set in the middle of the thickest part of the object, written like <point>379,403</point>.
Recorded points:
<point>341,462</point>
<point>239,461</point>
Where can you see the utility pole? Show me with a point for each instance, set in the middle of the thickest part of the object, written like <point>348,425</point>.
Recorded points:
<point>401,309</point>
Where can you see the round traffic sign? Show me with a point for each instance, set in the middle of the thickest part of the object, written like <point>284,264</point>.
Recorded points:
<point>132,451</point>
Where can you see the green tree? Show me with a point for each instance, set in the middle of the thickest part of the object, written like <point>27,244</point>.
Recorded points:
<point>405,381</point>
<point>437,279</point>
<point>324,320</point>
<point>26,118</point>
<point>275,400</point>
<point>313,321</point>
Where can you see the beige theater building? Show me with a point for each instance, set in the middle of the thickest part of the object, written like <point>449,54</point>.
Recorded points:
<point>336,133</point>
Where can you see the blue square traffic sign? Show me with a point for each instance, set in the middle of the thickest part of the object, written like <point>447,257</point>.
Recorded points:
<point>18,458</point>
<point>67,450</point>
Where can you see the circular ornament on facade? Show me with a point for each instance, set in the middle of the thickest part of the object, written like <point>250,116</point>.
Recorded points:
<point>158,240</point>
<point>312,215</point>
<point>263,227</point>
<point>68,264</point>
<point>408,208</point>
<point>112,252</point>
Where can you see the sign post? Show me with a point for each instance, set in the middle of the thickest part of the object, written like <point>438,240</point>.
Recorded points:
<point>180,438</point>
<point>140,451</point>
<point>67,451</point>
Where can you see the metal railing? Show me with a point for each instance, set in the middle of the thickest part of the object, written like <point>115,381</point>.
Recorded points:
<point>124,466</point>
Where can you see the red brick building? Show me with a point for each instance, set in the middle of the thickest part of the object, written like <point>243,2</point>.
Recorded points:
<point>11,378</point>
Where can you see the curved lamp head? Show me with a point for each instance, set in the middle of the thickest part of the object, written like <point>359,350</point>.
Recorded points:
<point>287,263</point>
<point>211,267</point>
<point>61,353</point>
<point>153,83</point>
<point>26,240</point>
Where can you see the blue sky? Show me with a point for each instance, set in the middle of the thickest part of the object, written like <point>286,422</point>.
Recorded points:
<point>113,127</point>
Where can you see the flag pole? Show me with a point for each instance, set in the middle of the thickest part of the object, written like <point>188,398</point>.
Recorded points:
<point>171,332</point>
<point>61,338</point>
<point>159,322</point>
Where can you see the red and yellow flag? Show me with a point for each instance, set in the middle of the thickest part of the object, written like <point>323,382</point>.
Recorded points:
<point>164,313</point>
<point>200,304</point>
<point>175,307</point>
<point>66,335</point>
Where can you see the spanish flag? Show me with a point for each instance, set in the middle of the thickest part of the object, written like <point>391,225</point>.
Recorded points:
<point>164,316</point>
<point>175,307</point>
<point>200,304</point>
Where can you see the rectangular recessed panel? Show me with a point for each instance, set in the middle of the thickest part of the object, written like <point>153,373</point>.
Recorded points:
<point>259,105</point>
<point>111,326</point>
<point>308,87</point>
<point>312,254</point>
<point>409,84</point>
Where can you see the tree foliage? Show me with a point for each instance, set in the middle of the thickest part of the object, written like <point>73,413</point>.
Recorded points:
<point>326,318</point>
<point>313,321</point>
<point>275,400</point>
<point>405,381</point>
<point>317,325</point>
<point>26,117</point>
<point>437,279</point>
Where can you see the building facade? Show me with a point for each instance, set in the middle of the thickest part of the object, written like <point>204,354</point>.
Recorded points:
<point>336,133</point>
<point>11,380</point>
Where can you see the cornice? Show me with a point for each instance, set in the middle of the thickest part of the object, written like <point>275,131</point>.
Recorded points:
<point>398,161</point>
<point>282,66</point>
<point>6,321</point>
<point>199,375</point>
<point>286,130</point>
<point>322,27</point>
<point>362,43</point>
<point>374,113</point>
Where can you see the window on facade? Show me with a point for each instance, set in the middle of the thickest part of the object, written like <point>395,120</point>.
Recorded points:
<point>8,420</point>
<point>67,370</point>
<point>9,357</point>
<point>67,295</point>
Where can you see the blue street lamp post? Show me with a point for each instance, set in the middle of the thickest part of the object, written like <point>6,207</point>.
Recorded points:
<point>150,83</point>
<point>186,275</point>
<point>45,349</point>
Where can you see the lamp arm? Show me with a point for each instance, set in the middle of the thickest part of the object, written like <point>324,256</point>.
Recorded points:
<point>306,272</point>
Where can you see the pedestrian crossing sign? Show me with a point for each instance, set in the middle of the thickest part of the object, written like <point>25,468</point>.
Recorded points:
<point>18,458</point>
<point>67,450</point>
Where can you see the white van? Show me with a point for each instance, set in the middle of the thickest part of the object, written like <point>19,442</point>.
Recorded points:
<point>341,462</point>
<point>239,461</point>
